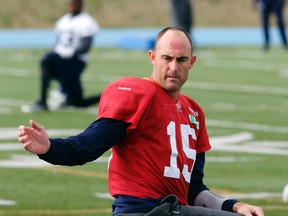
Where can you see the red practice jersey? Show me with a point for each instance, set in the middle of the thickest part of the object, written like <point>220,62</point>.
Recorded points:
<point>157,155</point>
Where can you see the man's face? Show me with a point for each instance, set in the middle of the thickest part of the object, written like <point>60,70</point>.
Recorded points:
<point>172,59</point>
<point>74,7</point>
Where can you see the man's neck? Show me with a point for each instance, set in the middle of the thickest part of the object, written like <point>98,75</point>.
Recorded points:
<point>75,13</point>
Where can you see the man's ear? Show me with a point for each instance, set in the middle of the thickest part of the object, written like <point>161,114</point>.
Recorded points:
<point>193,59</point>
<point>151,55</point>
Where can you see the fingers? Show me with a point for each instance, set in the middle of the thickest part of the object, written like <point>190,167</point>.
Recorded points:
<point>23,135</point>
<point>35,125</point>
<point>24,139</point>
<point>22,131</point>
<point>21,127</point>
<point>258,211</point>
<point>254,211</point>
<point>27,145</point>
<point>247,210</point>
<point>34,139</point>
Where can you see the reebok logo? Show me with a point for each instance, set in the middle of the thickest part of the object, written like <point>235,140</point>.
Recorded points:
<point>124,88</point>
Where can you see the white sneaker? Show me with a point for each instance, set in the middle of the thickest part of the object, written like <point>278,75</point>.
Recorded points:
<point>56,99</point>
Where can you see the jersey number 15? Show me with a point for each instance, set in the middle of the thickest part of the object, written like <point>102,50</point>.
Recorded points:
<point>173,171</point>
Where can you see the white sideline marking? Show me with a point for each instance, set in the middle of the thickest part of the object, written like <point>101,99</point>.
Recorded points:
<point>12,133</point>
<point>251,65</point>
<point>231,144</point>
<point>7,202</point>
<point>103,195</point>
<point>226,106</point>
<point>236,88</point>
<point>23,161</point>
<point>4,110</point>
<point>259,195</point>
<point>283,73</point>
<point>32,161</point>
<point>10,146</point>
<point>230,159</point>
<point>11,102</point>
<point>19,72</point>
<point>246,126</point>
<point>18,103</point>
<point>232,139</point>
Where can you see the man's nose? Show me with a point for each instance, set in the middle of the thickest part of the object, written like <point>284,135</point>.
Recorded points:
<point>173,65</point>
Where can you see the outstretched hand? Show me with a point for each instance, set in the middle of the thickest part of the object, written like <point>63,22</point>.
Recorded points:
<point>34,139</point>
<point>247,210</point>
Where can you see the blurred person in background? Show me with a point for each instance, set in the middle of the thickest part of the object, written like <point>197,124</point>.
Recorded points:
<point>75,31</point>
<point>182,14</point>
<point>268,7</point>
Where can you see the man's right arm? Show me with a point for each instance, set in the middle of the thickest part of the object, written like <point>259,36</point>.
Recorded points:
<point>87,146</point>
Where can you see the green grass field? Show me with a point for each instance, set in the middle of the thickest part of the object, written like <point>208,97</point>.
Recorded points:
<point>243,91</point>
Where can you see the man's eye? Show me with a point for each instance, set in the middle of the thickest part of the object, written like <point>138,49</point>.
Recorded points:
<point>181,59</point>
<point>167,58</point>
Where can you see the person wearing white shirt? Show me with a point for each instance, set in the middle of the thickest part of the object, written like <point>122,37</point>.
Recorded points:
<point>74,31</point>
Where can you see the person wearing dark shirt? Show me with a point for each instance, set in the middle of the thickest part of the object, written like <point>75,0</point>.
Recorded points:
<point>267,8</point>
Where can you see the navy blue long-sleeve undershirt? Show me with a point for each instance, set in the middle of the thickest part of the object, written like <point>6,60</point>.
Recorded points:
<point>87,146</point>
<point>99,137</point>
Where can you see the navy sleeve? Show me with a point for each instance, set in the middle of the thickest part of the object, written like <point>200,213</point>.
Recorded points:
<point>196,183</point>
<point>228,205</point>
<point>87,146</point>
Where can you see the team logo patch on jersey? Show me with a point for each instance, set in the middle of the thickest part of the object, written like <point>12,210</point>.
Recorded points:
<point>194,113</point>
<point>194,121</point>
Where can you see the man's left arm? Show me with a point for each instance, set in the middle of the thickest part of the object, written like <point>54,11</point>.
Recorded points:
<point>84,45</point>
<point>68,52</point>
<point>200,195</point>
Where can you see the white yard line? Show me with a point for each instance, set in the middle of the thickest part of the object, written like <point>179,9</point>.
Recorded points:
<point>7,202</point>
<point>251,65</point>
<point>4,110</point>
<point>10,146</point>
<point>259,195</point>
<point>236,88</point>
<point>19,72</point>
<point>18,103</point>
<point>243,142</point>
<point>31,161</point>
<point>11,102</point>
<point>246,126</point>
<point>11,133</point>
<point>283,73</point>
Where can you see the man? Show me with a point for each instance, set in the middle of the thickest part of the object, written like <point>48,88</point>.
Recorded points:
<point>268,7</point>
<point>75,32</point>
<point>158,139</point>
